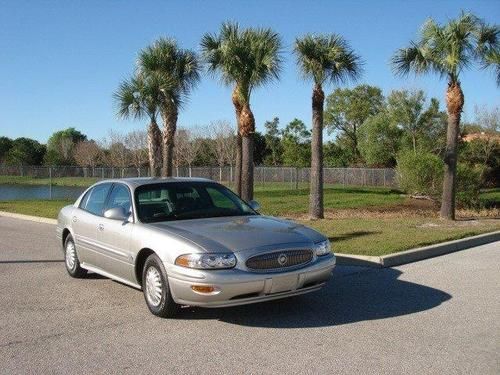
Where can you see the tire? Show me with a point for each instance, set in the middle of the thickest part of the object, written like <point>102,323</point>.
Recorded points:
<point>156,289</point>
<point>71,260</point>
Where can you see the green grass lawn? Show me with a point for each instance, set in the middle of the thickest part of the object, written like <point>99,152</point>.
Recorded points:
<point>359,231</point>
<point>43,208</point>
<point>381,236</point>
<point>282,202</point>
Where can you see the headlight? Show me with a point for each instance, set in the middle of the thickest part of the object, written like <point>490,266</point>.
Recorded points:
<point>322,248</point>
<point>206,261</point>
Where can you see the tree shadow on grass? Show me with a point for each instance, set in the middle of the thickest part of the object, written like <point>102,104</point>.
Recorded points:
<point>351,235</point>
<point>351,298</point>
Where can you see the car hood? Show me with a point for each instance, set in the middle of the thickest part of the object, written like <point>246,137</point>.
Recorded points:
<point>241,232</point>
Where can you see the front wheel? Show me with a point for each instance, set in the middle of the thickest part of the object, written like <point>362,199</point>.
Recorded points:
<point>71,259</point>
<point>156,290</point>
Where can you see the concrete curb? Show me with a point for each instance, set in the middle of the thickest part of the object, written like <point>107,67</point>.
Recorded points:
<point>358,260</point>
<point>417,254</point>
<point>37,219</point>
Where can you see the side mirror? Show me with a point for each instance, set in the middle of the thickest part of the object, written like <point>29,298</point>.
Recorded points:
<point>116,213</point>
<point>254,205</point>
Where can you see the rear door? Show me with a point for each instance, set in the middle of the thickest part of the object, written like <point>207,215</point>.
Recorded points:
<point>115,255</point>
<point>85,222</point>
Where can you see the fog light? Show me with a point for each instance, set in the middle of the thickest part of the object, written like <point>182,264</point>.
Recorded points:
<point>205,289</point>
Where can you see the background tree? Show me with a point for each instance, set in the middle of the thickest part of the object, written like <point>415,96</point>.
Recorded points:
<point>224,144</point>
<point>273,142</point>
<point>323,59</point>
<point>138,98</point>
<point>118,153</point>
<point>259,148</point>
<point>25,151</point>
<point>380,140</point>
<point>245,59</point>
<point>177,70</point>
<point>406,108</point>
<point>87,154</point>
<point>60,146</point>
<point>481,146</point>
<point>5,146</point>
<point>336,154</point>
<point>447,50</point>
<point>188,147</point>
<point>296,144</point>
<point>347,110</point>
<point>137,143</point>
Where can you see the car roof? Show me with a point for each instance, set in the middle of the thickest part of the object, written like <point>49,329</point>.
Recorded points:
<point>135,182</point>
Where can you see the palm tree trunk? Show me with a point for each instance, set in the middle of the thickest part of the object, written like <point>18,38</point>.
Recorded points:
<point>454,105</point>
<point>238,164</point>
<point>239,145</point>
<point>316,193</point>
<point>169,127</point>
<point>154,148</point>
<point>247,130</point>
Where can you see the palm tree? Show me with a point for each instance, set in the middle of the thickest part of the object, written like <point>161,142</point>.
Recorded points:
<point>487,48</point>
<point>323,59</point>
<point>138,98</point>
<point>177,71</point>
<point>244,59</point>
<point>447,50</point>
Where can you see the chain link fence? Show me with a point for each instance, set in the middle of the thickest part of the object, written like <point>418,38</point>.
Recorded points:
<point>294,177</point>
<point>68,182</point>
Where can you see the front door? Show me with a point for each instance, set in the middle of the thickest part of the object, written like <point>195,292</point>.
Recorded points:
<point>85,222</point>
<point>115,255</point>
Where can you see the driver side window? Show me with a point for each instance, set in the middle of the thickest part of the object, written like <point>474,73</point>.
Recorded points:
<point>119,197</point>
<point>93,201</point>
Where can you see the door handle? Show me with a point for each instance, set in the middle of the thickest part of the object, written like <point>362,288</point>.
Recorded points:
<point>100,227</point>
<point>74,219</point>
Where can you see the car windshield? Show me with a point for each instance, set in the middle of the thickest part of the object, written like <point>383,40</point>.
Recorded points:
<point>187,200</point>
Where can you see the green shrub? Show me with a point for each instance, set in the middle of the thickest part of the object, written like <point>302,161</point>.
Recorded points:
<point>468,185</point>
<point>420,173</point>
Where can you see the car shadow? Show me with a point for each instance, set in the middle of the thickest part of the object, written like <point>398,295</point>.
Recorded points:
<point>20,261</point>
<point>347,298</point>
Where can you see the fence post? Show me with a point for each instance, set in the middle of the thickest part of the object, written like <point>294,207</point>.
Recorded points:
<point>296,178</point>
<point>384,177</point>
<point>50,182</point>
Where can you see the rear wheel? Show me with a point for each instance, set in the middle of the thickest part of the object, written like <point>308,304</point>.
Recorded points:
<point>156,289</point>
<point>71,259</point>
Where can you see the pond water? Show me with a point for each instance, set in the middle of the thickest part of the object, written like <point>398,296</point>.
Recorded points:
<point>14,192</point>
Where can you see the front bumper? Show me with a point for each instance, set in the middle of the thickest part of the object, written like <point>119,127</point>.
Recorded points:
<point>238,287</point>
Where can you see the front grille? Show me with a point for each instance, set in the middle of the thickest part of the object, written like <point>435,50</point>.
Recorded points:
<point>280,259</point>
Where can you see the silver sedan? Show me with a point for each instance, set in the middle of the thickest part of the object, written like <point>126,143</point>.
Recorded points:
<point>190,242</point>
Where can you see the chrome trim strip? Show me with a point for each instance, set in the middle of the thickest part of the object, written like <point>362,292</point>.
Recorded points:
<point>99,245</point>
<point>110,275</point>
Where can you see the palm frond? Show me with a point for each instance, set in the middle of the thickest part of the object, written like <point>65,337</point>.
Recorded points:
<point>446,49</point>
<point>128,101</point>
<point>174,71</point>
<point>244,57</point>
<point>327,58</point>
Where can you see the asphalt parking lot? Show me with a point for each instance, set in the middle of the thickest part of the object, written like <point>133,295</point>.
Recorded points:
<point>436,316</point>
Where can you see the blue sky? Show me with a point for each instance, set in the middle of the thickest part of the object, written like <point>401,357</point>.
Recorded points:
<point>60,61</point>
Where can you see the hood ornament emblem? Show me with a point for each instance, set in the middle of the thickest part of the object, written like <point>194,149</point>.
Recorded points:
<point>282,259</point>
